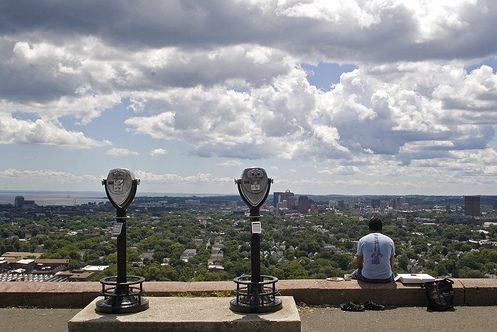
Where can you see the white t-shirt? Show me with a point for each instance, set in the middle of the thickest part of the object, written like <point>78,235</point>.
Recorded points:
<point>376,249</point>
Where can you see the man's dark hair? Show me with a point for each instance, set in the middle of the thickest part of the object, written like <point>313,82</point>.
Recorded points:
<point>375,224</point>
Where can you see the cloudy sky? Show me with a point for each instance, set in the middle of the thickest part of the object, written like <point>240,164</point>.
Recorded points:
<point>347,97</point>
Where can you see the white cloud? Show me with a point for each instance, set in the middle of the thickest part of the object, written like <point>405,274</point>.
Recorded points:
<point>341,170</point>
<point>242,94</point>
<point>410,109</point>
<point>367,112</point>
<point>47,175</point>
<point>350,30</point>
<point>121,152</point>
<point>146,176</point>
<point>158,152</point>
<point>274,119</point>
<point>41,131</point>
<point>231,163</point>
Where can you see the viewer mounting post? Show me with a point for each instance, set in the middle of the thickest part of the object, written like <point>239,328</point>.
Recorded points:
<point>122,293</point>
<point>255,292</point>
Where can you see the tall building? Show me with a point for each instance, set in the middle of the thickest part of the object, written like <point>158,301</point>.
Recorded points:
<point>292,202</point>
<point>276,198</point>
<point>279,196</point>
<point>303,204</point>
<point>376,203</point>
<point>472,206</point>
<point>19,202</point>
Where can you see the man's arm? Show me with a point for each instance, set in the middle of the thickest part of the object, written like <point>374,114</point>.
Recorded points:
<point>359,261</point>
<point>392,255</point>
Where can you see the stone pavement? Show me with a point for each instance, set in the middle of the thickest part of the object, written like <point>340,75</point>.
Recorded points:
<point>314,318</point>
<point>417,319</point>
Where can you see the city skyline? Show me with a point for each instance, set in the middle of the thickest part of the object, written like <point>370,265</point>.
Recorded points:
<point>330,97</point>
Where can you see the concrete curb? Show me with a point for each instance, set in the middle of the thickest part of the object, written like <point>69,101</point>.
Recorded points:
<point>472,292</point>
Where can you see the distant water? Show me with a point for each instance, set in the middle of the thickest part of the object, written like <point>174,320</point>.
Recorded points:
<point>45,198</point>
<point>72,198</point>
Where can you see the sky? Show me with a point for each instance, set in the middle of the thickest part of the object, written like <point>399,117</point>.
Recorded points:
<point>329,97</point>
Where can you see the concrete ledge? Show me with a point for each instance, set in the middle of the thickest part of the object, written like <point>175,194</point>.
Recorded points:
<point>48,294</point>
<point>188,314</point>
<point>474,292</point>
<point>480,292</point>
<point>334,293</point>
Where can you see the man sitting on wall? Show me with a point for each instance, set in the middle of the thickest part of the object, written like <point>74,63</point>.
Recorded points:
<point>375,255</point>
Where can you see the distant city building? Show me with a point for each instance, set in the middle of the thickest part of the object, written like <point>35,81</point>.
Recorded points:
<point>19,202</point>
<point>203,221</point>
<point>292,202</point>
<point>472,206</point>
<point>25,264</point>
<point>397,202</point>
<point>217,253</point>
<point>279,197</point>
<point>94,268</point>
<point>73,276</point>
<point>187,254</point>
<point>4,265</point>
<point>303,204</point>
<point>14,256</point>
<point>289,201</point>
<point>50,265</point>
<point>215,267</point>
<point>375,203</point>
<point>192,202</point>
<point>276,198</point>
<point>232,204</point>
<point>30,266</point>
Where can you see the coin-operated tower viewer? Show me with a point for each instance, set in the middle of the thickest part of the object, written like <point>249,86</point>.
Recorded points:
<point>255,292</point>
<point>122,293</point>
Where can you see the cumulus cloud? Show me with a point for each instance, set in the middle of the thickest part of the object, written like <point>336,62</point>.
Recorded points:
<point>273,119</point>
<point>158,152</point>
<point>355,30</point>
<point>121,152</point>
<point>341,170</point>
<point>226,78</point>
<point>410,117</point>
<point>411,113</point>
<point>146,176</point>
<point>231,163</point>
<point>51,175</point>
<point>40,131</point>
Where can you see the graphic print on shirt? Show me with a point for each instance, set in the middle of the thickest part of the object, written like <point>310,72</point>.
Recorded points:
<point>376,252</point>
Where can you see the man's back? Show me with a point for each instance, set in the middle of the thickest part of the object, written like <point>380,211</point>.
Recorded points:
<point>376,250</point>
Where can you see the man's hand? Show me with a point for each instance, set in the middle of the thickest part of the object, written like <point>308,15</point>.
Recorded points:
<point>359,261</point>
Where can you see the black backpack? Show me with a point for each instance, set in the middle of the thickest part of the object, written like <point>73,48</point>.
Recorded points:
<point>440,294</point>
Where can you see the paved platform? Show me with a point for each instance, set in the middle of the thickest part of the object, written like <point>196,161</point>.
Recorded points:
<point>416,319</point>
<point>199,314</point>
<point>314,319</point>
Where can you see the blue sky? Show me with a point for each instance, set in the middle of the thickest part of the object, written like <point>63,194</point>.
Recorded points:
<point>343,97</point>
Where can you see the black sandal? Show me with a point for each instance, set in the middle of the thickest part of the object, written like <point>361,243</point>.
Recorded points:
<point>351,306</point>
<point>370,305</point>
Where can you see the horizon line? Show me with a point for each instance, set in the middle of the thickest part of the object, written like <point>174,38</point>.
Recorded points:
<point>223,194</point>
